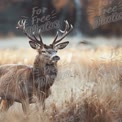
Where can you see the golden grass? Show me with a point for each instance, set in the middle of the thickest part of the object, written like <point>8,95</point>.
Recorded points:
<point>88,87</point>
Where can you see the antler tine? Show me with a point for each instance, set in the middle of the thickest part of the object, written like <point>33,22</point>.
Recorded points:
<point>21,26</point>
<point>35,38</point>
<point>40,36</point>
<point>67,27</point>
<point>67,30</point>
<point>55,37</point>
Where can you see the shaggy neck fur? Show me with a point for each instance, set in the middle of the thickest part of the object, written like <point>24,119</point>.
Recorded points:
<point>44,74</point>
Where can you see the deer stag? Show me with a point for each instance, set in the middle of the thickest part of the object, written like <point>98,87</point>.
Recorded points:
<point>19,83</point>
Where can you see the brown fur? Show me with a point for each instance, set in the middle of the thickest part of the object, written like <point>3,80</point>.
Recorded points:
<point>19,82</point>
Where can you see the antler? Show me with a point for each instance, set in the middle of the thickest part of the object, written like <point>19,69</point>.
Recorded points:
<point>21,26</point>
<point>67,30</point>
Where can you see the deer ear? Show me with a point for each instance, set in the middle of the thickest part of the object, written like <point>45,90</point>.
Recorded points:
<point>33,44</point>
<point>61,45</point>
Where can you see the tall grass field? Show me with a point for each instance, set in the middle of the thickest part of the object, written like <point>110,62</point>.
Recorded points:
<point>88,87</point>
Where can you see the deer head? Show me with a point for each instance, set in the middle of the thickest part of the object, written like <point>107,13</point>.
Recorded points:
<point>47,52</point>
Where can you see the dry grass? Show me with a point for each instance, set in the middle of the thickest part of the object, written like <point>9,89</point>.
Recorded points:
<point>88,87</point>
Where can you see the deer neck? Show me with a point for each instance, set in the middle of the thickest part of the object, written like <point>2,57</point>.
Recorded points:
<point>39,64</point>
<point>45,72</point>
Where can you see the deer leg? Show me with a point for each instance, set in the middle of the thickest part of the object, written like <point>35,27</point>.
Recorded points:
<point>43,103</point>
<point>25,106</point>
<point>40,102</point>
<point>5,104</point>
<point>43,97</point>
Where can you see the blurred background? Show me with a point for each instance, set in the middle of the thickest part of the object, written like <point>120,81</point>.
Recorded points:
<point>90,70</point>
<point>96,22</point>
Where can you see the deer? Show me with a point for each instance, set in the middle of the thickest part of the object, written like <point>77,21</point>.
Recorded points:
<point>19,83</point>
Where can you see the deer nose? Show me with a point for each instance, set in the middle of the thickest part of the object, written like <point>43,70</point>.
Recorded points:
<point>56,58</point>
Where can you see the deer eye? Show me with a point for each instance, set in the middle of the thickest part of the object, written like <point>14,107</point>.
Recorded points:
<point>50,52</point>
<point>43,51</point>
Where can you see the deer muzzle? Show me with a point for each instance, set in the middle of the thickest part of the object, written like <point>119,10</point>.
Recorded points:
<point>55,58</point>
